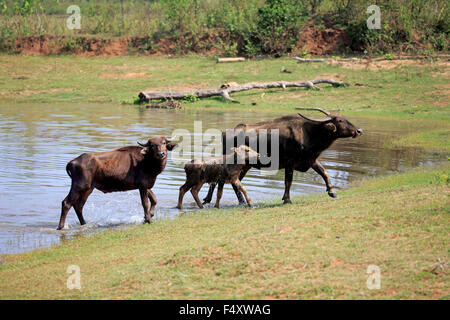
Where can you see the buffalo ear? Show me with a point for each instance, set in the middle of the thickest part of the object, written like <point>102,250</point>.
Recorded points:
<point>330,126</point>
<point>144,151</point>
<point>171,146</point>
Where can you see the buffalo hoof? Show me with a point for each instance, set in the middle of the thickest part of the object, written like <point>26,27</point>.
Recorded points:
<point>332,194</point>
<point>206,200</point>
<point>147,221</point>
<point>287,201</point>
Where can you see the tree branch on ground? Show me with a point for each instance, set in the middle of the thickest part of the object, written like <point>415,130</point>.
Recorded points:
<point>226,89</point>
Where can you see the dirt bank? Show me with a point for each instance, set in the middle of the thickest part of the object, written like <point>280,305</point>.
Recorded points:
<point>94,46</point>
<point>310,41</point>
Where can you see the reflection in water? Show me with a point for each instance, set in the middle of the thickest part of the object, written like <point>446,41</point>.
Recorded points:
<point>37,141</point>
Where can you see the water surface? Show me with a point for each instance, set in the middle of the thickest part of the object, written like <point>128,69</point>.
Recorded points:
<point>37,141</point>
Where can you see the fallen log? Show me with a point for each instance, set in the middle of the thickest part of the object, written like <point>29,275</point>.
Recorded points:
<point>226,89</point>
<point>309,60</point>
<point>230,59</point>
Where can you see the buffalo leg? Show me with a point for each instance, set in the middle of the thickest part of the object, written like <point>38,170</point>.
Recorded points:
<point>79,204</point>
<point>238,184</point>
<point>288,175</point>
<point>219,194</point>
<point>208,197</point>
<point>183,189</point>
<point>195,189</point>
<point>324,174</point>
<point>144,201</point>
<point>65,207</point>
<point>153,202</point>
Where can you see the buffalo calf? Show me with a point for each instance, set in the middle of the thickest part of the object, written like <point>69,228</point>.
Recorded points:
<point>221,170</point>
<point>127,168</point>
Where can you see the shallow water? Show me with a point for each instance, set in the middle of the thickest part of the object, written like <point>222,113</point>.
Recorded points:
<point>37,141</point>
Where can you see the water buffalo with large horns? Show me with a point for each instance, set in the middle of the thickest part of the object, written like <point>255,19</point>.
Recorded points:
<point>127,168</point>
<point>301,141</point>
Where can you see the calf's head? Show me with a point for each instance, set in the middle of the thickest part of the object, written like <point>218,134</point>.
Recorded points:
<point>247,153</point>
<point>336,124</point>
<point>157,147</point>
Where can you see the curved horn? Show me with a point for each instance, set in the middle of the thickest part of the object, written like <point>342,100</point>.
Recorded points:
<point>312,120</point>
<point>142,144</point>
<point>315,109</point>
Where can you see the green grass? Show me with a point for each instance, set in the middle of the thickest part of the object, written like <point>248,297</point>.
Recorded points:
<point>317,247</point>
<point>434,139</point>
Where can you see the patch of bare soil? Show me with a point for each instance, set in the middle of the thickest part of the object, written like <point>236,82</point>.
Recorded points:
<point>41,46</point>
<point>334,76</point>
<point>322,42</point>
<point>130,75</point>
<point>104,47</point>
<point>83,46</point>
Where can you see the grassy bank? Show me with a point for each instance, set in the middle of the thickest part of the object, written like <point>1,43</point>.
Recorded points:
<point>317,247</point>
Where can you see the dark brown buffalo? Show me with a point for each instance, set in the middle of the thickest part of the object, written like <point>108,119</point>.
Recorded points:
<point>123,169</point>
<point>301,141</point>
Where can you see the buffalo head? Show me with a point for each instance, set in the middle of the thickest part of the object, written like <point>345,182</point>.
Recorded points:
<point>157,147</point>
<point>336,124</point>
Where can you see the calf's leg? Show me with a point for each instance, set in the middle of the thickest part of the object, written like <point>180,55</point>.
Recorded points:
<point>236,190</point>
<point>219,194</point>
<point>183,189</point>
<point>317,166</point>
<point>241,188</point>
<point>195,189</point>
<point>208,197</point>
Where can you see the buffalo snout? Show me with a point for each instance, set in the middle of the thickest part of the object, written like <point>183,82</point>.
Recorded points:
<point>161,154</point>
<point>357,133</point>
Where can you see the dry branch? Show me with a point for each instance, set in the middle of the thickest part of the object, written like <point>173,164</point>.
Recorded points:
<point>226,89</point>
